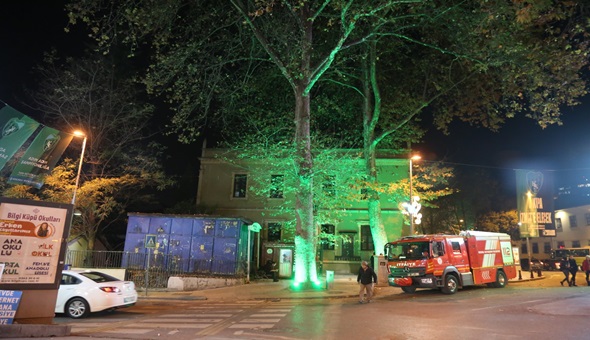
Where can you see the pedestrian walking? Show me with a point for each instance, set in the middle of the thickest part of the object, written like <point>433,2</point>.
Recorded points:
<point>366,278</point>
<point>564,266</point>
<point>573,271</point>
<point>586,268</point>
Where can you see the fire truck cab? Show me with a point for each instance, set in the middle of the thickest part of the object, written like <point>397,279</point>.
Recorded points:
<point>450,262</point>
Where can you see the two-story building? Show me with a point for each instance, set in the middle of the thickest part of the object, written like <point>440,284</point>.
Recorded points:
<point>236,188</point>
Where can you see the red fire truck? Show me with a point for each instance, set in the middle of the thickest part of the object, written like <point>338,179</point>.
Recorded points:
<point>450,262</point>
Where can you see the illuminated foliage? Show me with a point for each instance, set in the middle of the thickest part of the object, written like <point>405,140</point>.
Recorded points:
<point>478,61</point>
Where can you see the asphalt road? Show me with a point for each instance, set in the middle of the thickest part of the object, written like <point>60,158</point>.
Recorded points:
<point>540,309</point>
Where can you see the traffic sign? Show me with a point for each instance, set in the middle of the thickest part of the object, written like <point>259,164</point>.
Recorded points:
<point>150,241</point>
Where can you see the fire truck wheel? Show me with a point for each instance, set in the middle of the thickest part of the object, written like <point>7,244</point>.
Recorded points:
<point>451,284</point>
<point>409,290</point>
<point>501,280</point>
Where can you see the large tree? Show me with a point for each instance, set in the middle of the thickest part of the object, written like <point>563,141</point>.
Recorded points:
<point>198,54</point>
<point>92,95</point>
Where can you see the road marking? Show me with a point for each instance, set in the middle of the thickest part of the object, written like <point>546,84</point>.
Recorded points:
<point>129,331</point>
<point>251,326</point>
<point>512,304</point>
<point>266,315</point>
<point>261,320</point>
<point>183,320</point>
<point>200,315</point>
<point>174,325</point>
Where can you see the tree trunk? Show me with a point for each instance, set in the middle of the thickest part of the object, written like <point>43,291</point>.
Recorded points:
<point>372,111</point>
<point>306,234</point>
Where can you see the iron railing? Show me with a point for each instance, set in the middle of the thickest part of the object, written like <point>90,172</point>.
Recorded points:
<point>159,267</point>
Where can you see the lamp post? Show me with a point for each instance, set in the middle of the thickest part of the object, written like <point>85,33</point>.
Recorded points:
<point>78,133</point>
<point>413,158</point>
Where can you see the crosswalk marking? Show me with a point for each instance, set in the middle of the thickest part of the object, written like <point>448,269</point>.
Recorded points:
<point>266,315</point>
<point>202,320</point>
<point>181,320</point>
<point>173,325</point>
<point>251,326</point>
<point>129,331</point>
<point>260,320</point>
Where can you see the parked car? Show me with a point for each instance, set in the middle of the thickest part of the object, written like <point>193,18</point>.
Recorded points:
<point>83,292</point>
<point>536,264</point>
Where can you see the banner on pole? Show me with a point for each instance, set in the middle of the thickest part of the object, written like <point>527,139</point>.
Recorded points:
<point>534,195</point>
<point>16,129</point>
<point>40,157</point>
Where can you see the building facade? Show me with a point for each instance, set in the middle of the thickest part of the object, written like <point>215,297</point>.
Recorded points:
<point>572,231</point>
<point>248,189</point>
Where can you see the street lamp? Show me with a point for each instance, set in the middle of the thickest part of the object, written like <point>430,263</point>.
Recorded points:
<point>412,214</point>
<point>78,133</point>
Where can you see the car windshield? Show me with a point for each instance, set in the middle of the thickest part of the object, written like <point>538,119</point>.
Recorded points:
<point>408,250</point>
<point>99,277</point>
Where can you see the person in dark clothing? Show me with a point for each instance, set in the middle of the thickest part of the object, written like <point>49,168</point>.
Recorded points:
<point>586,269</point>
<point>564,265</point>
<point>372,261</point>
<point>366,278</point>
<point>573,270</point>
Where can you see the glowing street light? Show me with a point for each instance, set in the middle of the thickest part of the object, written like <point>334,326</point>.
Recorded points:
<point>412,214</point>
<point>78,133</point>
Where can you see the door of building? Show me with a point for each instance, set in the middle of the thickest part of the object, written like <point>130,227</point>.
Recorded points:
<point>348,245</point>
<point>286,263</point>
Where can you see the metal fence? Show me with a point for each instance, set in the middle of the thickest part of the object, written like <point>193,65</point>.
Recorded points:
<point>159,267</point>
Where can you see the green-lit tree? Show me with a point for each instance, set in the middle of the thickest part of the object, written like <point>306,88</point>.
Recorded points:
<point>302,40</point>
<point>439,63</point>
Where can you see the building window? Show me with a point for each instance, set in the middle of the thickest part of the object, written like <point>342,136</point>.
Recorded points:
<point>535,248</point>
<point>277,183</point>
<point>558,225</point>
<point>274,231</point>
<point>573,221</point>
<point>524,249</point>
<point>547,247</point>
<point>560,244</point>
<point>240,185</point>
<point>366,238</point>
<point>328,241</point>
<point>587,218</point>
<point>329,186</point>
<point>575,244</point>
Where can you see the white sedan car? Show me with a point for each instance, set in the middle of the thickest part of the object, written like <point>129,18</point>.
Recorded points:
<point>82,292</point>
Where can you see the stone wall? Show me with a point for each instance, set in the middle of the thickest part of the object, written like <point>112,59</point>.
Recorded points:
<point>200,283</point>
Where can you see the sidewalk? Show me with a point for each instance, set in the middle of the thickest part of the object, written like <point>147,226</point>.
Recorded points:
<point>344,286</point>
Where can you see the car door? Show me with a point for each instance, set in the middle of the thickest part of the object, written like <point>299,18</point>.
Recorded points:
<point>67,288</point>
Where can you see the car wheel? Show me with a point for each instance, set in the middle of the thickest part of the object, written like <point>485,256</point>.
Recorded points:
<point>409,289</point>
<point>501,280</point>
<point>77,308</point>
<point>451,284</point>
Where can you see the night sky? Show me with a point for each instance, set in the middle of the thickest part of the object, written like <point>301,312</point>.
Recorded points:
<point>27,28</point>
